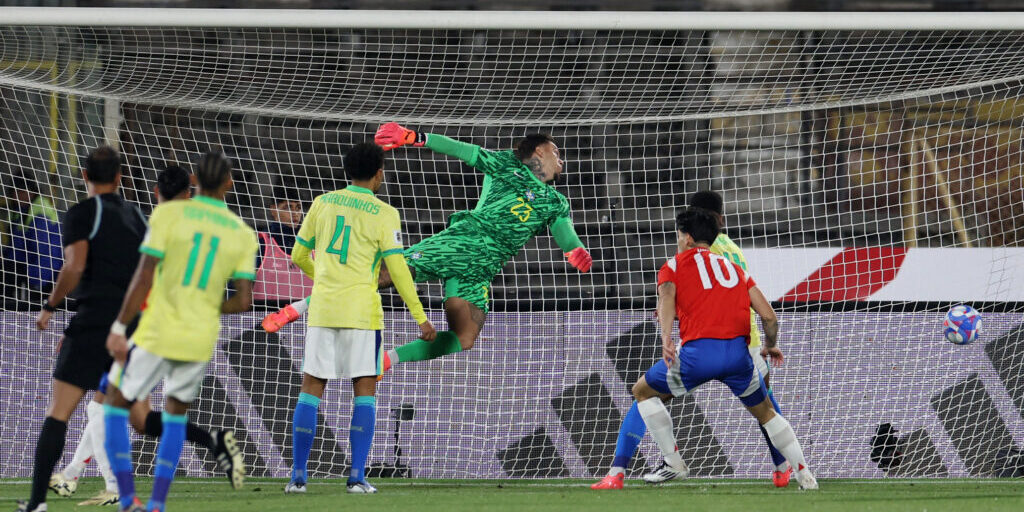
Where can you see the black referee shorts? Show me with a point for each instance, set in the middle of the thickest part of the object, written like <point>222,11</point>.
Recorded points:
<point>83,356</point>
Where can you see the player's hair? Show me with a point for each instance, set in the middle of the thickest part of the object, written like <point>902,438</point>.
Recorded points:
<point>363,161</point>
<point>213,171</point>
<point>529,144</point>
<point>699,223</point>
<point>707,199</point>
<point>172,181</point>
<point>103,165</point>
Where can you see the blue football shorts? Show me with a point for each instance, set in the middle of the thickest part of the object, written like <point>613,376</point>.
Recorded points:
<point>702,360</point>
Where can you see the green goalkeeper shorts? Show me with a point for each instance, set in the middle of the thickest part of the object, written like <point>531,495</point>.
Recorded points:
<point>463,258</point>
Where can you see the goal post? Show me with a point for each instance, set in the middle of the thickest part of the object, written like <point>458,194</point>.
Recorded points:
<point>871,166</point>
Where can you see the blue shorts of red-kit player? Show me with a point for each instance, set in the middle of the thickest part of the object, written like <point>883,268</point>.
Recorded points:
<point>702,360</point>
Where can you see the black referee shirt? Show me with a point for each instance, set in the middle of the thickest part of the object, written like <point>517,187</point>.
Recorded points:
<point>114,229</point>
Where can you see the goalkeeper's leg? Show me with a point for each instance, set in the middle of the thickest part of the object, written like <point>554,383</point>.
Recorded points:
<point>273,322</point>
<point>465,319</point>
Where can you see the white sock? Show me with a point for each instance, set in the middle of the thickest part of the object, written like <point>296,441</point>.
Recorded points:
<point>782,436</point>
<point>84,450</point>
<point>782,467</point>
<point>95,412</point>
<point>659,424</point>
<point>616,470</point>
<point>301,305</point>
<point>77,466</point>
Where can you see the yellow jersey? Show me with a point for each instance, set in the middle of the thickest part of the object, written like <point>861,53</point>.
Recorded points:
<point>350,232</point>
<point>201,245</point>
<point>725,247</point>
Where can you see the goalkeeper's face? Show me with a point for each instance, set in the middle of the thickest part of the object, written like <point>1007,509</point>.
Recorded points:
<point>551,162</point>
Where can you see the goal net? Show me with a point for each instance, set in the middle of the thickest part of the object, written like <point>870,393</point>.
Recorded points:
<point>871,174</point>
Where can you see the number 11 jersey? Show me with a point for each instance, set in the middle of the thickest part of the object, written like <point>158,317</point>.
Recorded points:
<point>712,295</point>
<point>201,245</point>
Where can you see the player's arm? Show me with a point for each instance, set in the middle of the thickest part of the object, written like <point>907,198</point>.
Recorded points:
<point>70,275</point>
<point>569,242</point>
<point>305,241</point>
<point>392,135</point>
<point>770,323</point>
<point>667,315</point>
<point>152,250</point>
<point>402,279</point>
<point>78,225</point>
<point>138,290</point>
<point>302,257</point>
<point>242,279</point>
<point>390,244</point>
<point>241,300</point>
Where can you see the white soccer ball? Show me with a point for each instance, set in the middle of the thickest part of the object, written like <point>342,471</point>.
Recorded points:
<point>962,325</point>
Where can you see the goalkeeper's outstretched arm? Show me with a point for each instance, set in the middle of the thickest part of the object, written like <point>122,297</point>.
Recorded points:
<point>392,135</point>
<point>570,244</point>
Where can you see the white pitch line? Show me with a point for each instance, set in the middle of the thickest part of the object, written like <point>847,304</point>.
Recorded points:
<point>527,483</point>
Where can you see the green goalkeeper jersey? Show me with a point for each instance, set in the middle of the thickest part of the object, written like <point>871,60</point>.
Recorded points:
<point>514,205</point>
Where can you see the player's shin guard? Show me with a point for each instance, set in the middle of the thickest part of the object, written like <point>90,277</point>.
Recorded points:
<point>98,438</point>
<point>360,435</point>
<point>777,458</point>
<point>167,455</point>
<point>659,423</point>
<point>418,350</point>
<point>630,434</point>
<point>119,450</point>
<point>303,433</point>
<point>782,436</point>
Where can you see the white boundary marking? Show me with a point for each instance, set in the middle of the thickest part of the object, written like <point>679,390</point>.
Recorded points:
<point>696,482</point>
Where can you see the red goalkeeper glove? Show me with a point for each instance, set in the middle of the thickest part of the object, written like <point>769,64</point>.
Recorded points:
<point>392,135</point>
<point>580,258</point>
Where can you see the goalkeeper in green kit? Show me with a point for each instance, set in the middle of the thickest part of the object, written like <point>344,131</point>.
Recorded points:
<point>517,203</point>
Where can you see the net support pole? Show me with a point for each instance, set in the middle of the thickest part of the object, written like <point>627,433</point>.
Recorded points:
<point>945,195</point>
<point>54,130</point>
<point>112,123</point>
<point>909,198</point>
<point>72,123</point>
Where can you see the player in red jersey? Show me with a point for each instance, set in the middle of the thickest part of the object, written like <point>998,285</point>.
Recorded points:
<point>712,298</point>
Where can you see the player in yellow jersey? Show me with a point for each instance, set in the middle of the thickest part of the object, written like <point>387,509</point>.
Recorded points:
<point>724,246</point>
<point>191,251</point>
<point>352,233</point>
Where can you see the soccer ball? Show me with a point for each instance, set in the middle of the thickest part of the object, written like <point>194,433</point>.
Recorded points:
<point>961,325</point>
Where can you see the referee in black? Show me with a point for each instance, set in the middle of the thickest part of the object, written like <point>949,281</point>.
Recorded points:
<point>101,239</point>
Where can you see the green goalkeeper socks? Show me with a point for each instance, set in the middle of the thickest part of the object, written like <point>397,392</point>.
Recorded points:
<point>445,343</point>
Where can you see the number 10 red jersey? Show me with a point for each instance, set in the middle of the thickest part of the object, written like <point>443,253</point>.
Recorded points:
<point>712,297</point>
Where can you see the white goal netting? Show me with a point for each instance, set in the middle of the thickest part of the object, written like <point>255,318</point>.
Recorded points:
<point>873,178</point>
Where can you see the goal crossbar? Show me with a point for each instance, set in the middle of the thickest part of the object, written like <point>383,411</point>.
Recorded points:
<point>438,20</point>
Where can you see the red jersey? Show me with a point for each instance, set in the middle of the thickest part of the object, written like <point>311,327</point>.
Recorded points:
<point>712,295</point>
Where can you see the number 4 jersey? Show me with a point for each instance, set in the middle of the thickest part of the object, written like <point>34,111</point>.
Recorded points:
<point>201,246</point>
<point>350,231</point>
<point>712,295</point>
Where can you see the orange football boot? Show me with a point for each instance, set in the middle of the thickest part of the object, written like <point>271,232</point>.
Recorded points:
<point>610,482</point>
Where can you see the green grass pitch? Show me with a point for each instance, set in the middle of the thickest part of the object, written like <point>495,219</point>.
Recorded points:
<point>202,495</point>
